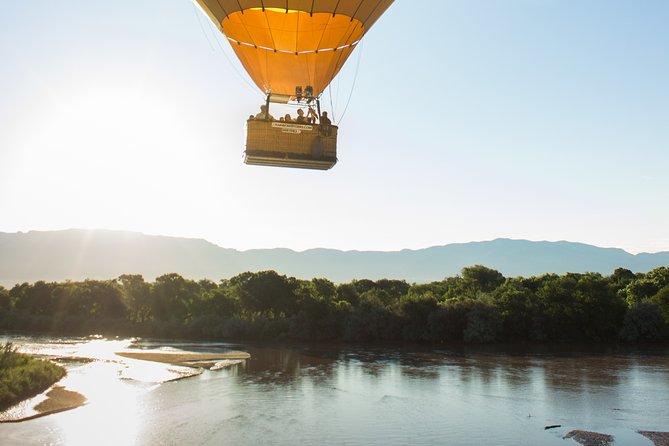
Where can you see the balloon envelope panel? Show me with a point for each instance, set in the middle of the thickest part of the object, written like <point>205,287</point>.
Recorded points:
<point>289,43</point>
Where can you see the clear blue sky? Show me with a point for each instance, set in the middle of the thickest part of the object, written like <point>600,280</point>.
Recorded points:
<point>469,120</point>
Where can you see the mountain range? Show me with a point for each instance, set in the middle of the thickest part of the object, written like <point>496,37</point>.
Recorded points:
<point>102,254</point>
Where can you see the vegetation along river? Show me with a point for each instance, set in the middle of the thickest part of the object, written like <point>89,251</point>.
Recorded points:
<point>348,395</point>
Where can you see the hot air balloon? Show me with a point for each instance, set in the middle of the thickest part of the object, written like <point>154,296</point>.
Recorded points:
<point>292,49</point>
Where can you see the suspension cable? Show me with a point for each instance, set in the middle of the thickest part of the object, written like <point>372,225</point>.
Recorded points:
<point>216,39</point>
<point>199,21</point>
<point>332,110</point>
<point>355,78</point>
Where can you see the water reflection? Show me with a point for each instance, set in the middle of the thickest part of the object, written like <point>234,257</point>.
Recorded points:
<point>349,395</point>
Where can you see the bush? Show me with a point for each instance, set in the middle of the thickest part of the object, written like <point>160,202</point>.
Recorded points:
<point>23,377</point>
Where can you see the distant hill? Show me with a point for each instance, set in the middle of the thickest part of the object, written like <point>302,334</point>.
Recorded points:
<point>101,254</point>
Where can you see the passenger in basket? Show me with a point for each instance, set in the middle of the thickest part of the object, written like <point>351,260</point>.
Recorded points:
<point>324,119</point>
<point>287,118</point>
<point>312,116</point>
<point>263,114</point>
<point>300,117</point>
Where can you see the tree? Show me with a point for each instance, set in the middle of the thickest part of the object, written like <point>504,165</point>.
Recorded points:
<point>362,285</point>
<point>448,322</point>
<point>315,318</point>
<point>347,292</point>
<point>483,323</point>
<point>437,289</point>
<point>482,278</point>
<point>265,292</point>
<point>603,309</point>
<point>372,320</point>
<point>659,275</point>
<point>559,315</point>
<point>394,289</point>
<point>220,302</point>
<point>171,297</point>
<point>621,277</point>
<point>34,299</point>
<point>324,288</point>
<point>639,290</point>
<point>515,304</point>
<point>661,299</point>
<point>100,299</point>
<point>643,322</point>
<point>5,303</point>
<point>458,288</point>
<point>136,296</point>
<point>415,310</point>
<point>647,285</point>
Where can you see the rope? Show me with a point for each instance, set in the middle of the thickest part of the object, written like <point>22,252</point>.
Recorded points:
<point>237,72</point>
<point>355,78</point>
<point>197,16</point>
<point>332,109</point>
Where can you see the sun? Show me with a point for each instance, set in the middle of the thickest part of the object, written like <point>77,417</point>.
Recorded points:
<point>110,123</point>
<point>105,152</point>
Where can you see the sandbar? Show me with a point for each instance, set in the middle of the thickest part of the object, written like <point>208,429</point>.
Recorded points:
<point>185,359</point>
<point>658,438</point>
<point>587,438</point>
<point>58,400</point>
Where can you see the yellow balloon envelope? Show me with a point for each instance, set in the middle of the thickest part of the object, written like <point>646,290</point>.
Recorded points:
<point>287,43</point>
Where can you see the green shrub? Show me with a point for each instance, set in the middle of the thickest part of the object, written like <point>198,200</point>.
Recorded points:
<point>23,377</point>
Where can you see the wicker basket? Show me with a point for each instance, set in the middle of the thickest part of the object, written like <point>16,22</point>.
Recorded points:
<point>288,144</point>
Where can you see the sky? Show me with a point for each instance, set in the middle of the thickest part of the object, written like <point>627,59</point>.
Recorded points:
<point>467,120</point>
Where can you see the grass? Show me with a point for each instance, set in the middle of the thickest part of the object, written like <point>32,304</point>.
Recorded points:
<point>22,376</point>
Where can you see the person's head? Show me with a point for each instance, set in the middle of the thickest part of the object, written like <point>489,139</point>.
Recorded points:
<point>287,117</point>
<point>325,114</point>
<point>263,108</point>
<point>300,112</point>
<point>250,116</point>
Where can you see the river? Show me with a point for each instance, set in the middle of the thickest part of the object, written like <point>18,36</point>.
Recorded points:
<point>351,395</point>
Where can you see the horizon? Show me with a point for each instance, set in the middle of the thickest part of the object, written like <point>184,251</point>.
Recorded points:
<point>102,255</point>
<point>527,120</point>
<point>336,249</point>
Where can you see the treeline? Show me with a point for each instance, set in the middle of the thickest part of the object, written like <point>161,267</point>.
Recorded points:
<point>480,305</point>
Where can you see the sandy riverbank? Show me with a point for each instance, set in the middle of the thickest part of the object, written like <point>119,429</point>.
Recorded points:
<point>206,360</point>
<point>58,399</point>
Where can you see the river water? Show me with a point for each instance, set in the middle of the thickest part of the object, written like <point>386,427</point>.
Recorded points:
<point>333,395</point>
